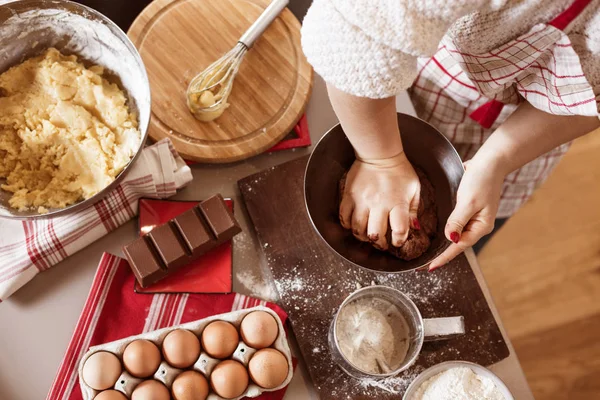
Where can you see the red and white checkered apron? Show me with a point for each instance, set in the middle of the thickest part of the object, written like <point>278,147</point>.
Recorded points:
<point>467,96</point>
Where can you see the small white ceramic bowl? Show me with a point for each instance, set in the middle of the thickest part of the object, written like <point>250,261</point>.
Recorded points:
<point>439,368</point>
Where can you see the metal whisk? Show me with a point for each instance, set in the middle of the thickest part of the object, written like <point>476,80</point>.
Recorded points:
<point>207,93</point>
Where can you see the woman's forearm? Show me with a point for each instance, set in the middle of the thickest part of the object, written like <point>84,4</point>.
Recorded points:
<point>529,133</point>
<point>370,124</point>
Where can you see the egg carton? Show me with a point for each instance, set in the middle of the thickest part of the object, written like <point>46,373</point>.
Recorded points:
<point>205,364</point>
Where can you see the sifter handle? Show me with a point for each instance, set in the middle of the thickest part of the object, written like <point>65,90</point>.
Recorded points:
<point>443,328</point>
<point>263,22</point>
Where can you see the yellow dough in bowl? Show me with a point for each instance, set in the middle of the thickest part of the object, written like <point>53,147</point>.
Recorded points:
<point>65,131</point>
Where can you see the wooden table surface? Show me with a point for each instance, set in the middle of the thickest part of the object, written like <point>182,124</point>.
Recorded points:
<point>37,322</point>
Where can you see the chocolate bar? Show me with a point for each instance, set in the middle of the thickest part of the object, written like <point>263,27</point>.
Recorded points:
<point>170,246</point>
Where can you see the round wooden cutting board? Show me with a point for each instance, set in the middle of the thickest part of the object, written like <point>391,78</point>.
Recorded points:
<point>179,38</point>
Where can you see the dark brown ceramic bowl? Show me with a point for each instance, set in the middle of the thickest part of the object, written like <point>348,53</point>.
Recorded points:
<point>425,147</point>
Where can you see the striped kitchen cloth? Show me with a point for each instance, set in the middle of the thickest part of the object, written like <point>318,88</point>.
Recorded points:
<point>114,311</point>
<point>30,247</point>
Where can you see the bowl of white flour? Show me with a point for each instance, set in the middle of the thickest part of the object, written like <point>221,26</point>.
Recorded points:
<point>457,380</point>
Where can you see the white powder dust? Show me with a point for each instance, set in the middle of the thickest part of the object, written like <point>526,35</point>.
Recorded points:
<point>392,385</point>
<point>459,383</point>
<point>256,287</point>
<point>304,290</point>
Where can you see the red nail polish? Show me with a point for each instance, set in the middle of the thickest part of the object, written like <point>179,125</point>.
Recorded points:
<point>416,224</point>
<point>455,237</point>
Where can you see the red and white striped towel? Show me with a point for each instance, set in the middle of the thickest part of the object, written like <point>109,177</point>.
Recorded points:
<point>114,311</point>
<point>30,247</point>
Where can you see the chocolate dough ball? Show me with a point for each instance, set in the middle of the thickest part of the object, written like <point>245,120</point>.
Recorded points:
<point>427,193</point>
<point>416,244</point>
<point>428,221</point>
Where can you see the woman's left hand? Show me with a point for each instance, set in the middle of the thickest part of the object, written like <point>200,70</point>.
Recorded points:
<point>477,203</point>
<point>527,134</point>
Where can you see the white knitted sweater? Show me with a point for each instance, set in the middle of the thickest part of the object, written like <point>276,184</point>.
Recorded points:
<point>369,48</point>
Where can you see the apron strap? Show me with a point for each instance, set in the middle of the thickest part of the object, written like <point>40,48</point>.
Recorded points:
<point>566,17</point>
<point>487,113</point>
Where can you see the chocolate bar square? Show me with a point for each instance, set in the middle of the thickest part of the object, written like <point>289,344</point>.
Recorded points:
<point>219,218</point>
<point>194,232</point>
<point>144,262</point>
<point>168,245</point>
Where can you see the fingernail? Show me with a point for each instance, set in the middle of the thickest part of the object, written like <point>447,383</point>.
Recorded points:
<point>374,237</point>
<point>455,237</point>
<point>431,269</point>
<point>416,224</point>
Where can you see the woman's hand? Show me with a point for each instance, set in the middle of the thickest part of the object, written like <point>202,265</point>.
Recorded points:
<point>378,191</point>
<point>382,188</point>
<point>476,207</point>
<point>527,134</point>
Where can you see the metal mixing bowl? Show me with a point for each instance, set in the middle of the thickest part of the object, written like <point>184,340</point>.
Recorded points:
<point>29,27</point>
<point>425,147</point>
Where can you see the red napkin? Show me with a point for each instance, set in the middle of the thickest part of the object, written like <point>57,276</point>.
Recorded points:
<point>114,311</point>
<point>299,137</point>
<point>209,274</point>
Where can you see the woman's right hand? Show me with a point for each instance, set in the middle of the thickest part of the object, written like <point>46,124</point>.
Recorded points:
<point>378,193</point>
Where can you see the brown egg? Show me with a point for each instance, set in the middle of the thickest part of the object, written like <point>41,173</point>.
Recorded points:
<point>150,390</point>
<point>101,370</point>
<point>181,348</point>
<point>268,368</point>
<point>259,329</point>
<point>229,379</point>
<point>141,358</point>
<point>220,339</point>
<point>110,395</point>
<point>190,385</point>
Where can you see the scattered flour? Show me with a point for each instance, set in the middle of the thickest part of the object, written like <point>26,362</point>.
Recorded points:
<point>459,383</point>
<point>258,287</point>
<point>303,289</point>
<point>306,294</point>
<point>294,284</point>
<point>393,384</point>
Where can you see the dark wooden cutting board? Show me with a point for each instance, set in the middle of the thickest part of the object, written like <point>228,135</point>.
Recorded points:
<point>312,282</point>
